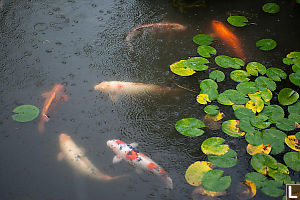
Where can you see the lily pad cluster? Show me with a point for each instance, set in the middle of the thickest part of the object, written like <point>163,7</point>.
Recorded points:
<point>293,58</point>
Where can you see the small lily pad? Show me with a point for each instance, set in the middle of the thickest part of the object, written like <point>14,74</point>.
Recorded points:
<point>217,75</point>
<point>203,39</point>
<point>263,82</point>
<point>252,149</point>
<point>254,67</point>
<point>295,108</point>
<point>197,63</point>
<point>202,99</point>
<point>190,127</point>
<point>276,74</point>
<point>244,113</point>
<point>255,138</point>
<point>293,142</point>
<point>180,68</point>
<point>271,8</point>
<point>208,84</point>
<point>287,96</point>
<point>238,21</point>
<point>292,160</point>
<point>228,62</point>
<point>211,109</point>
<point>214,146</point>
<point>266,44</point>
<point>25,113</point>
<point>257,178</point>
<point>206,51</point>
<point>214,181</point>
<point>259,121</point>
<point>239,76</point>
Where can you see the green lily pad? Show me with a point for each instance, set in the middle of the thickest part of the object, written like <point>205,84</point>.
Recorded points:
<point>272,188</point>
<point>276,74</point>
<point>205,51</point>
<point>295,78</point>
<point>286,124</point>
<point>257,178</point>
<point>224,99</point>
<point>271,8</point>
<point>214,181</point>
<point>214,146</point>
<point>295,108</point>
<point>275,112</point>
<point>244,113</point>
<point>228,62</point>
<point>203,39</point>
<point>197,63</point>
<point>254,67</point>
<point>190,127</point>
<point>287,96</point>
<point>292,160</point>
<point>195,172</point>
<point>25,113</point>
<point>227,160</point>
<point>238,21</point>
<point>180,68</point>
<point>246,126</point>
<point>255,138</point>
<point>296,68</point>
<point>261,162</point>
<point>235,97</point>
<point>211,109</point>
<point>231,127</point>
<point>212,93</point>
<point>295,117</point>
<point>239,76</point>
<point>259,121</point>
<point>266,44</point>
<point>217,75</point>
<point>275,138</point>
<point>208,84</point>
<point>246,88</point>
<point>263,82</point>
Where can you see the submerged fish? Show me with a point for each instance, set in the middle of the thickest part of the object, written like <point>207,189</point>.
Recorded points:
<point>53,97</point>
<point>119,88</point>
<point>155,26</point>
<point>227,36</point>
<point>127,152</point>
<point>76,157</point>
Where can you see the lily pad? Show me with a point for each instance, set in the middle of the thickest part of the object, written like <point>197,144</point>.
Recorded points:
<point>25,113</point>
<point>197,63</point>
<point>259,121</point>
<point>206,51</point>
<point>287,96</point>
<point>203,39</point>
<point>227,160</point>
<point>276,74</point>
<point>203,99</point>
<point>217,75</point>
<point>208,84</point>
<point>257,178</point>
<point>214,146</point>
<point>224,99</point>
<point>275,138</point>
<point>212,93</point>
<point>211,109</point>
<point>228,62</point>
<point>255,138</point>
<point>246,87</point>
<point>195,172</point>
<point>180,68</point>
<point>271,8</point>
<point>263,82</point>
<point>292,142</point>
<point>266,44</point>
<point>261,162</point>
<point>256,104</point>
<point>246,126</point>
<point>254,67</point>
<point>244,113</point>
<point>190,127</point>
<point>286,124</point>
<point>214,180</point>
<point>272,188</point>
<point>235,97</point>
<point>295,78</point>
<point>295,108</point>
<point>296,68</point>
<point>238,21</point>
<point>275,112</point>
<point>292,160</point>
<point>231,127</point>
<point>239,76</point>
<point>252,149</point>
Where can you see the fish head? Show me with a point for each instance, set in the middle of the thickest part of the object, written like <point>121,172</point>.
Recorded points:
<point>112,144</point>
<point>63,138</point>
<point>118,146</point>
<point>103,86</point>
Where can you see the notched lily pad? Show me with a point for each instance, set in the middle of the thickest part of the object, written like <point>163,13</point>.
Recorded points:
<point>180,68</point>
<point>295,78</point>
<point>228,62</point>
<point>276,74</point>
<point>292,160</point>
<point>263,82</point>
<point>287,96</point>
<point>254,67</point>
<point>261,162</point>
<point>214,146</point>
<point>211,109</point>
<point>195,172</point>
<point>206,51</point>
<point>203,99</point>
<point>231,127</point>
<point>239,76</point>
<point>203,39</point>
<point>271,8</point>
<point>217,75</point>
<point>275,138</point>
<point>214,180</point>
<point>190,127</point>
<point>292,142</point>
<point>266,44</point>
<point>25,113</point>
<point>238,21</point>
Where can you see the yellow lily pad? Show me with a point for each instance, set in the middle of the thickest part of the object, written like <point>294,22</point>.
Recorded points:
<point>247,190</point>
<point>258,102</point>
<point>231,127</point>
<point>236,106</point>
<point>252,150</point>
<point>203,98</point>
<point>180,68</point>
<point>292,142</point>
<point>214,146</point>
<point>195,172</point>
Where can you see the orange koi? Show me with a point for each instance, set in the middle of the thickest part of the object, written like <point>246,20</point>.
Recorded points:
<point>225,34</point>
<point>54,96</point>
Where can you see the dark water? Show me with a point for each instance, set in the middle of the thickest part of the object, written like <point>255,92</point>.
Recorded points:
<point>81,43</point>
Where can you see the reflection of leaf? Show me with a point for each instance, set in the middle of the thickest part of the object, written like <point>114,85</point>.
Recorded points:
<point>224,161</point>
<point>195,172</point>
<point>217,75</point>
<point>254,67</point>
<point>203,39</point>
<point>205,51</point>
<point>238,21</point>
<point>190,127</point>
<point>271,8</point>
<point>214,181</point>
<point>231,127</point>
<point>292,160</point>
<point>287,96</point>
<point>25,113</point>
<point>266,44</point>
<point>214,146</point>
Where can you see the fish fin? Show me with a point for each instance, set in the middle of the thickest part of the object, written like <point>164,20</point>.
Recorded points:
<point>46,94</point>
<point>60,156</point>
<point>64,97</point>
<point>138,170</point>
<point>116,159</point>
<point>134,144</point>
<point>113,96</point>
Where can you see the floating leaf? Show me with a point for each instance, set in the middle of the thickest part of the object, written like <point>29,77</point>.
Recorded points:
<point>252,150</point>
<point>295,78</point>
<point>236,106</point>
<point>266,44</point>
<point>258,102</point>
<point>244,113</point>
<point>271,188</point>
<point>266,94</point>
<point>224,99</point>
<point>238,21</point>
<point>287,96</point>
<point>246,126</point>
<point>190,127</point>
<point>211,109</point>
<point>195,172</point>
<point>262,162</point>
<point>295,108</point>
<point>239,76</point>
<point>280,174</point>
<point>292,142</point>
<point>276,74</point>
<point>255,138</point>
<point>286,124</point>
<point>197,63</point>
<point>208,84</point>
<point>203,39</point>
<point>203,99</point>
<point>257,178</point>
<point>180,68</point>
<point>258,121</point>
<point>212,93</point>
<point>235,97</point>
<point>275,138</point>
<point>25,113</point>
<point>254,67</point>
<point>205,51</point>
<point>263,82</point>
<point>231,127</point>
<point>295,117</point>
<point>227,160</point>
<point>296,68</point>
<point>214,181</point>
<point>271,8</point>
<point>228,62</point>
<point>246,88</point>
<point>214,146</point>
<point>217,75</point>
<point>274,112</point>
<point>292,160</point>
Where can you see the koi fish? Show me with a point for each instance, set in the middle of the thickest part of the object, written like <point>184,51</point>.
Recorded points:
<point>155,26</point>
<point>225,34</point>
<point>128,152</point>
<point>76,157</point>
<point>118,88</point>
<point>54,96</point>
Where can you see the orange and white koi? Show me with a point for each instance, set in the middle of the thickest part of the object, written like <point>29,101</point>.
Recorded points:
<point>119,88</point>
<point>155,26</point>
<point>76,157</point>
<point>228,37</point>
<point>53,97</point>
<point>128,153</point>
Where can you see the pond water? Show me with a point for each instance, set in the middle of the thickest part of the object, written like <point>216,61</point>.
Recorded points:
<point>82,43</point>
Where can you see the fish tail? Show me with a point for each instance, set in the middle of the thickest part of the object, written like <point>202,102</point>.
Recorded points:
<point>169,182</point>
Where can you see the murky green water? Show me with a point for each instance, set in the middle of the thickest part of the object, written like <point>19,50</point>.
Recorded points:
<point>81,43</point>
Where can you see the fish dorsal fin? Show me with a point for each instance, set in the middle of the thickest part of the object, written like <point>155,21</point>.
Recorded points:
<point>116,159</point>
<point>60,156</point>
<point>134,144</point>
<point>113,96</point>
<point>46,94</point>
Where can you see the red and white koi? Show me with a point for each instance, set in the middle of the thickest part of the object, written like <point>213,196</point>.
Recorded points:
<point>119,88</point>
<point>155,26</point>
<point>128,153</point>
<point>76,157</point>
<point>52,98</point>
